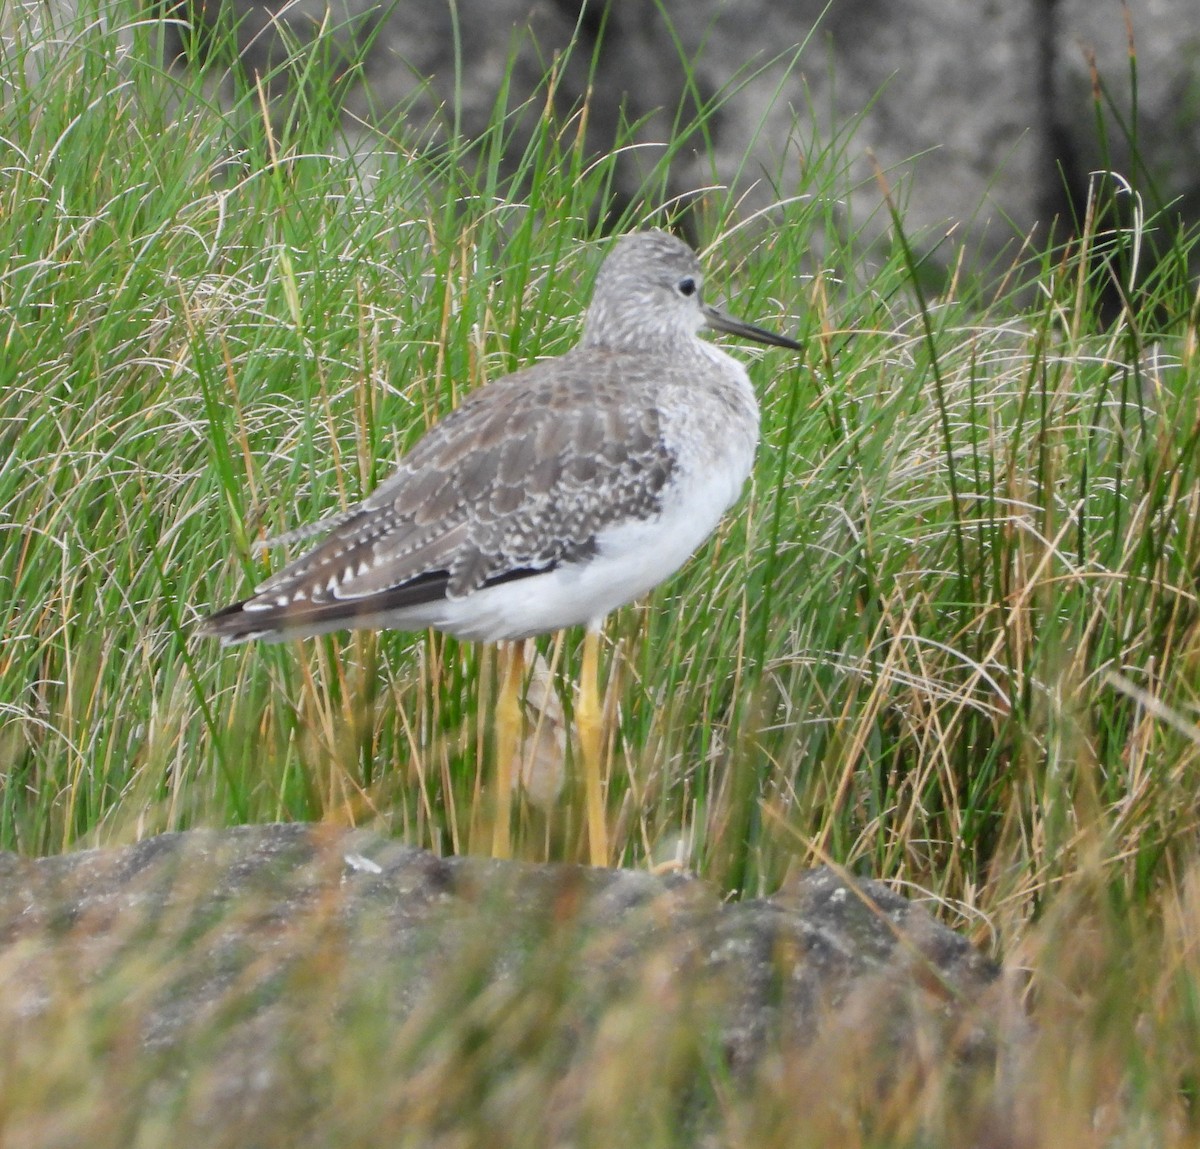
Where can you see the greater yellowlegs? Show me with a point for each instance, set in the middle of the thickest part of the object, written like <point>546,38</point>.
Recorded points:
<point>547,499</point>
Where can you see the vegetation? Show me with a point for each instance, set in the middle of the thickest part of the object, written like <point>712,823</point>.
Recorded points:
<point>949,639</point>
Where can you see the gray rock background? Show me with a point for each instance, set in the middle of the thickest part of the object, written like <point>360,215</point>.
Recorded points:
<point>1166,38</point>
<point>228,974</point>
<point>981,114</point>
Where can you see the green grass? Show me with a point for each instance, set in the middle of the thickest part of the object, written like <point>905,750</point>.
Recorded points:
<point>949,638</point>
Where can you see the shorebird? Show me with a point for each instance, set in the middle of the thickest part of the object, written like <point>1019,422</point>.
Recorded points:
<point>546,500</point>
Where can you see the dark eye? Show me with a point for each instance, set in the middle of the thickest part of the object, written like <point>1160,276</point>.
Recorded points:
<point>686,286</point>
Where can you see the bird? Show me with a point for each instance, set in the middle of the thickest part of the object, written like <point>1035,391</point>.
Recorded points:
<point>547,499</point>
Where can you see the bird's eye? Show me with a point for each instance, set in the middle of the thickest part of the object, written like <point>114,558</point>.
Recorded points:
<point>686,286</point>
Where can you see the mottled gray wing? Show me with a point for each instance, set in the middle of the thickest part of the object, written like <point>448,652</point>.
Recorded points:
<point>520,478</point>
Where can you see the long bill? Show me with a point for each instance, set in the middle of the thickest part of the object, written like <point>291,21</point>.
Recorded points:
<point>719,321</point>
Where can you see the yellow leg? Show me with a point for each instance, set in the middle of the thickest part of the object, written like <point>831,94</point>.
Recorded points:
<point>589,719</point>
<point>509,724</point>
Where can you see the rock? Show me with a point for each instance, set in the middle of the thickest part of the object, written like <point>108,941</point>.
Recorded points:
<point>431,68</point>
<point>1094,42</point>
<point>949,101</point>
<point>238,969</point>
<point>960,88</point>
<point>944,98</point>
<point>981,116</point>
